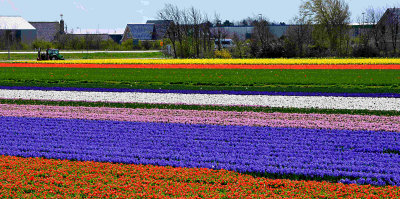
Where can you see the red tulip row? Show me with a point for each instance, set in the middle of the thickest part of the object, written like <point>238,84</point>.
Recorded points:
<point>205,66</point>
<point>30,177</point>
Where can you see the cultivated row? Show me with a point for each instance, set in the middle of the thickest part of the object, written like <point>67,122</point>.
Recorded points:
<point>297,120</point>
<point>321,102</point>
<point>369,157</point>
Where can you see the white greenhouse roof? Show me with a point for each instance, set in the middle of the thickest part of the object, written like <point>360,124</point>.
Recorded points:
<point>97,31</point>
<point>14,23</point>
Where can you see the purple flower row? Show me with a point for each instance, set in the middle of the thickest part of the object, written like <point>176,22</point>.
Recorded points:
<point>297,120</point>
<point>386,95</point>
<point>340,154</point>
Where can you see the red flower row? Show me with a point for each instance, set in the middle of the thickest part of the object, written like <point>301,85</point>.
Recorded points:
<point>201,66</point>
<point>29,177</point>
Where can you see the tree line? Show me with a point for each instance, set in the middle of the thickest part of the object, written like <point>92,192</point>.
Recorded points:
<point>320,29</point>
<point>81,42</point>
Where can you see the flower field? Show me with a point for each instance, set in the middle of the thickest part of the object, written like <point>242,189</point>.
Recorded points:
<point>218,130</point>
<point>367,61</point>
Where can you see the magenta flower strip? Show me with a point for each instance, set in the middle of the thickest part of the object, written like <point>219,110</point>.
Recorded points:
<point>296,120</point>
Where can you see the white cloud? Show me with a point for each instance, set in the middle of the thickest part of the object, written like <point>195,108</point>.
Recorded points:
<point>145,18</point>
<point>79,6</point>
<point>140,11</point>
<point>144,2</point>
<point>11,4</point>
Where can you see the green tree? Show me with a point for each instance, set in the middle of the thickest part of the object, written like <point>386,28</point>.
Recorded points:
<point>331,19</point>
<point>127,45</point>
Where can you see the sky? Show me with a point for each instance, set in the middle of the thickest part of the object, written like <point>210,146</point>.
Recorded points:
<point>105,14</point>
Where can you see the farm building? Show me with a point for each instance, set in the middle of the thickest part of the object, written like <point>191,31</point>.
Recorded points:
<point>98,34</point>
<point>18,29</point>
<point>277,30</point>
<point>139,32</point>
<point>116,37</point>
<point>389,26</point>
<point>151,30</point>
<point>244,32</point>
<point>161,27</point>
<point>47,31</point>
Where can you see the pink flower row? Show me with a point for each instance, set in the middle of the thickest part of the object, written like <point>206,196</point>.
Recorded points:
<point>297,120</point>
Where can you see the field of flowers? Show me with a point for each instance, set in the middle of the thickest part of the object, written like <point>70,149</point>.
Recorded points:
<point>329,128</point>
<point>365,61</point>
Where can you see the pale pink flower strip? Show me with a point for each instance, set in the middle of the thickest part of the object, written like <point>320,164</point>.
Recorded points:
<point>323,121</point>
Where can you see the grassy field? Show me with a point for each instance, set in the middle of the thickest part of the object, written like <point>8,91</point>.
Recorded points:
<point>69,56</point>
<point>375,81</point>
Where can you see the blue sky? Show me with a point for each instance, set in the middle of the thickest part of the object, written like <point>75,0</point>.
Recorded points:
<point>90,14</point>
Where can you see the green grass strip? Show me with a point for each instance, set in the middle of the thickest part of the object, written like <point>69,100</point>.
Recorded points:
<point>200,107</point>
<point>351,81</point>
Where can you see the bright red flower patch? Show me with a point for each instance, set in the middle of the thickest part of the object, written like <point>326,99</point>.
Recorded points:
<point>29,177</point>
<point>202,66</point>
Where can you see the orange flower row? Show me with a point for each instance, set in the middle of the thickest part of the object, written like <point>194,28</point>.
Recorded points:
<point>201,66</point>
<point>30,177</point>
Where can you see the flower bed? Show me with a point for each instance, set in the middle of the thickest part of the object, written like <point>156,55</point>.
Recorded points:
<point>322,102</point>
<point>228,92</point>
<point>296,120</point>
<point>205,66</point>
<point>369,157</point>
<point>369,61</point>
<point>37,177</point>
<point>148,148</point>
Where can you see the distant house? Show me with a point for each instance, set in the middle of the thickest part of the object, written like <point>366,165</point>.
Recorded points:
<point>140,32</point>
<point>93,36</point>
<point>161,27</point>
<point>47,31</point>
<point>229,31</point>
<point>116,37</point>
<point>151,30</point>
<point>244,32</point>
<point>389,26</point>
<point>18,29</point>
<point>98,34</point>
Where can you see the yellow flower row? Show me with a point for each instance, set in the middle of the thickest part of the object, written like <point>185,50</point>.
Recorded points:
<point>281,61</point>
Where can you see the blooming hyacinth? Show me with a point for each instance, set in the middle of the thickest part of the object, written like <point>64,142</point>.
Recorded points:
<point>314,153</point>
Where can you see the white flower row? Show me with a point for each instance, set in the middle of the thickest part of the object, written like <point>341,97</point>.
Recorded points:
<point>320,102</point>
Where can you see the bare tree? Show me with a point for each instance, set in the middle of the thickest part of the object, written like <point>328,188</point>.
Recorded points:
<point>196,20</point>
<point>300,34</point>
<point>172,13</point>
<point>189,31</point>
<point>262,39</point>
<point>219,33</point>
<point>373,15</point>
<point>393,24</point>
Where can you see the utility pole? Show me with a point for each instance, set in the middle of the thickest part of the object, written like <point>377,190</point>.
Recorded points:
<point>363,22</point>
<point>8,43</point>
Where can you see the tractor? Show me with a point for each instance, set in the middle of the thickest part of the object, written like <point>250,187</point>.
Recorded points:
<point>51,54</point>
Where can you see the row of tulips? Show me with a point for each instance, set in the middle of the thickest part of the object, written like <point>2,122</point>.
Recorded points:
<point>319,102</point>
<point>368,61</point>
<point>47,178</point>
<point>296,120</point>
<point>227,92</point>
<point>203,66</point>
<point>364,157</point>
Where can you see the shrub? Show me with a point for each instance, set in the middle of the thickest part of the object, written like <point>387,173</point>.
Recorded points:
<point>222,54</point>
<point>364,51</point>
<point>127,45</point>
<point>41,44</point>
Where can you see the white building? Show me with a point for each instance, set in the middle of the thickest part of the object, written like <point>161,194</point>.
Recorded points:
<point>18,29</point>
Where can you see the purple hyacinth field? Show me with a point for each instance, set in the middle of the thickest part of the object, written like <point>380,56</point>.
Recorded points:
<point>325,154</point>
